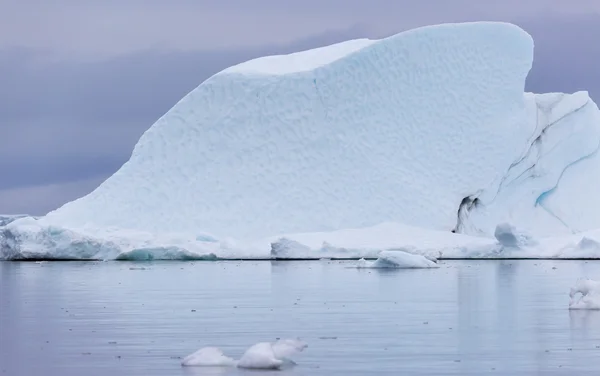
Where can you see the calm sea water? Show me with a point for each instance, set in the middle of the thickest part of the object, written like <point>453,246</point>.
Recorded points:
<point>466,318</point>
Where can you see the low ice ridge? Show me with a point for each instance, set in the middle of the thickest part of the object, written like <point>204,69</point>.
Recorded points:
<point>510,242</point>
<point>397,260</point>
<point>34,239</point>
<point>369,242</point>
<point>263,355</point>
<point>31,239</point>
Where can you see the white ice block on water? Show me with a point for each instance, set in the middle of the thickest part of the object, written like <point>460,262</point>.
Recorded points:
<point>260,356</point>
<point>588,291</point>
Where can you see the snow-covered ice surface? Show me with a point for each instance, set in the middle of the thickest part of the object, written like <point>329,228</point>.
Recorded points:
<point>588,292</point>
<point>397,260</point>
<point>400,141</point>
<point>262,355</point>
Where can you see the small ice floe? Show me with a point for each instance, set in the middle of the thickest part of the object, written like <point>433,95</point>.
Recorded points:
<point>263,355</point>
<point>208,357</point>
<point>398,260</point>
<point>590,295</point>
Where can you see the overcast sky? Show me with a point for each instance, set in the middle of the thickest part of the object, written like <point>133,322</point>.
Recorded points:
<point>80,80</point>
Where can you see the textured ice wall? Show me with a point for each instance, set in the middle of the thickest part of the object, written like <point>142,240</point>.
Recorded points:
<point>553,187</point>
<point>400,129</point>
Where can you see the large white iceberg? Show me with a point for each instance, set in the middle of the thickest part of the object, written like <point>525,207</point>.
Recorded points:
<point>427,129</point>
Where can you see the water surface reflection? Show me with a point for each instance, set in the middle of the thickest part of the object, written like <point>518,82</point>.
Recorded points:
<point>465,318</point>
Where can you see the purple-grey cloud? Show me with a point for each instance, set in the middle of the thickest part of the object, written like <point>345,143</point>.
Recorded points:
<point>567,54</point>
<point>94,27</point>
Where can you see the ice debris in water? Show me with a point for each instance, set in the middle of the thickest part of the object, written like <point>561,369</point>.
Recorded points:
<point>208,357</point>
<point>263,355</point>
<point>398,260</point>
<point>590,295</point>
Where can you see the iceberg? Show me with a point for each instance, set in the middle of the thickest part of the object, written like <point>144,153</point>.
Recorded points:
<point>424,142</point>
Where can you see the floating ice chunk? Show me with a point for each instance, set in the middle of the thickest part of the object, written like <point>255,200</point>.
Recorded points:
<point>267,355</point>
<point>590,295</point>
<point>285,348</point>
<point>260,356</point>
<point>208,357</point>
<point>263,355</point>
<point>398,260</point>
